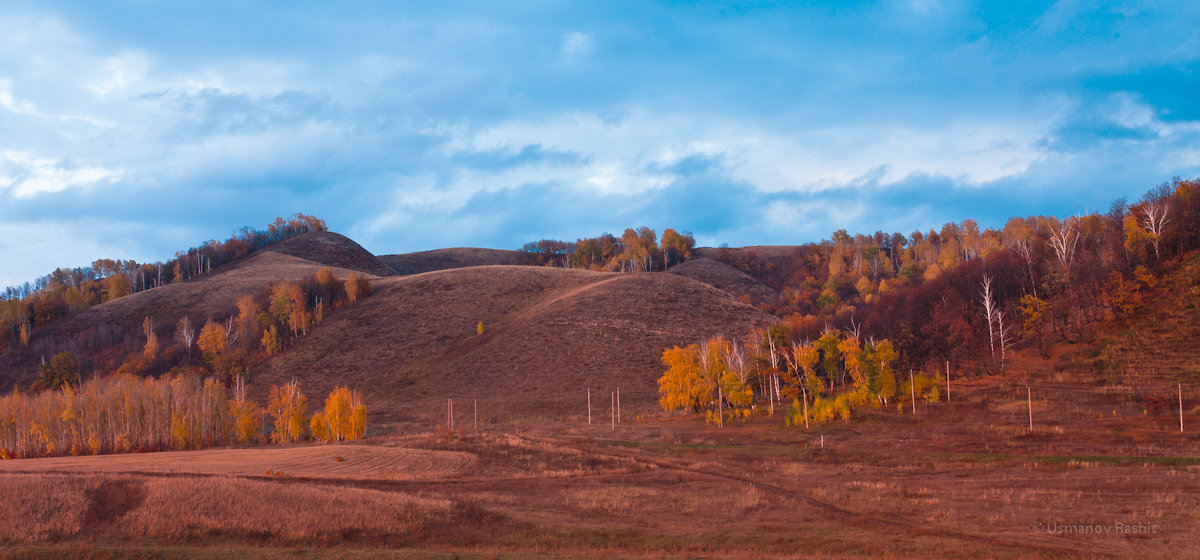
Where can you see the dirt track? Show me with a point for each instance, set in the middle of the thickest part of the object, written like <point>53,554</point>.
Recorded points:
<point>315,461</point>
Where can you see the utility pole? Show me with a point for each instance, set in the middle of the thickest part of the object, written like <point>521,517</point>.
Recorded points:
<point>589,406</point>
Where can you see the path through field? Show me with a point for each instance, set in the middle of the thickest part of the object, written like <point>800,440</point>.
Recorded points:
<point>310,461</point>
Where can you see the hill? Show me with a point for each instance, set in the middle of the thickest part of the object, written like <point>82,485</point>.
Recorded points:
<point>445,259</point>
<point>332,249</point>
<point>725,278</point>
<point>549,335</point>
<point>105,332</point>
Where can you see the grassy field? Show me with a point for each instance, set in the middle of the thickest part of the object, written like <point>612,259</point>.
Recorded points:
<point>964,479</point>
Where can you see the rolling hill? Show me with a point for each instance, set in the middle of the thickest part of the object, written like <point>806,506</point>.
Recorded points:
<point>445,259</point>
<point>549,334</point>
<point>724,277</point>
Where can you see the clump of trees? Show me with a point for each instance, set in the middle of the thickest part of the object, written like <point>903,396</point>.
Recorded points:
<point>824,379</point>
<point>226,347</point>
<point>637,250</point>
<point>34,305</point>
<point>122,414</point>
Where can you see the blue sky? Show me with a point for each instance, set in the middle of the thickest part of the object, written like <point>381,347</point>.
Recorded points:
<point>134,129</point>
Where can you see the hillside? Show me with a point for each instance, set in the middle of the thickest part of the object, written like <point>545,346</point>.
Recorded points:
<point>724,277</point>
<point>118,323</point>
<point>549,335</point>
<point>332,249</point>
<point>445,259</point>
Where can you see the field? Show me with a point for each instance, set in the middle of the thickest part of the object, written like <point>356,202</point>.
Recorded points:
<point>964,479</point>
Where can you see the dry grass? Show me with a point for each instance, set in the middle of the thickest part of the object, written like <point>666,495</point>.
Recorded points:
<point>40,508</point>
<point>181,509</point>
<point>550,334</point>
<point>309,461</point>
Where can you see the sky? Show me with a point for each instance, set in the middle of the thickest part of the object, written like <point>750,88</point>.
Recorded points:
<point>133,129</point>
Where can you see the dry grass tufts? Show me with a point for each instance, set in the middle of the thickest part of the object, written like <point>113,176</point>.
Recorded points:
<point>41,508</point>
<point>203,508</point>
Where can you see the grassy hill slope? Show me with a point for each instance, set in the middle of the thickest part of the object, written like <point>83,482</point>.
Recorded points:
<point>549,334</point>
<point>445,259</point>
<point>724,277</point>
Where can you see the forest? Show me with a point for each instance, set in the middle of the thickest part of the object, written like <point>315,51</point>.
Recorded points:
<point>866,306</point>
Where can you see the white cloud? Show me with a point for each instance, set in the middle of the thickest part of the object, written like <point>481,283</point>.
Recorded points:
<point>576,44</point>
<point>10,102</point>
<point>28,174</point>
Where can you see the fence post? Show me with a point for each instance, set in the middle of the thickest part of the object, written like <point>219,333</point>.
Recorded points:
<point>912,389</point>
<point>1029,402</point>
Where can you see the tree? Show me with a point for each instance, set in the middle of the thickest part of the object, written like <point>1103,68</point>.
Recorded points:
<point>63,369</point>
<point>247,416</point>
<point>150,351</point>
<point>213,342</point>
<point>676,248</point>
<point>186,333</point>
<point>271,344</point>
<point>343,419</point>
<point>682,386</point>
<point>248,324</point>
<point>288,406</point>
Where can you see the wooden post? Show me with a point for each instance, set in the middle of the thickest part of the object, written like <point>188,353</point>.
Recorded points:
<point>947,380</point>
<point>450,414</point>
<point>618,405</point>
<point>476,416</point>
<point>612,410</point>
<point>1181,408</point>
<point>589,406</point>
<point>1029,401</point>
<point>822,441</point>
<point>912,390</point>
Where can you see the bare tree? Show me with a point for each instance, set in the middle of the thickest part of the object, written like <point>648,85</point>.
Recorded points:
<point>1064,239</point>
<point>989,309</point>
<point>186,332</point>
<point>1023,248</point>
<point>1154,220</point>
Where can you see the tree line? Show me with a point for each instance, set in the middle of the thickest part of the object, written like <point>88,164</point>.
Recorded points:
<point>123,414</point>
<point>1048,279</point>
<point>819,379</point>
<point>637,250</point>
<point>64,291</point>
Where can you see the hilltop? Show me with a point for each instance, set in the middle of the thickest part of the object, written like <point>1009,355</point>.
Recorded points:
<point>726,278</point>
<point>445,259</point>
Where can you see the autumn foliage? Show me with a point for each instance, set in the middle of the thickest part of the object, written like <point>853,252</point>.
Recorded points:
<point>121,414</point>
